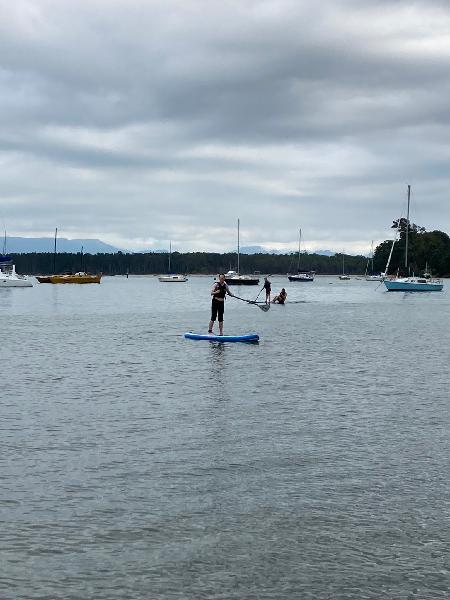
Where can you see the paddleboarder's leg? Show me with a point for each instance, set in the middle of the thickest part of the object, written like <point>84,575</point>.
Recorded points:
<point>214,307</point>
<point>220,317</point>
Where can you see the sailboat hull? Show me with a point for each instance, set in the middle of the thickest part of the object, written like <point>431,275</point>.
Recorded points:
<point>412,285</point>
<point>241,280</point>
<point>172,278</point>
<point>303,277</point>
<point>76,278</point>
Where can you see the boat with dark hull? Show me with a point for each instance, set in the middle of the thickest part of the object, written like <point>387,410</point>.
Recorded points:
<point>301,276</point>
<point>235,278</point>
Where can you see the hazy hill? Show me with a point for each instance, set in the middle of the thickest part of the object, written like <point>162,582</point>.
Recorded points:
<point>21,245</point>
<point>262,250</point>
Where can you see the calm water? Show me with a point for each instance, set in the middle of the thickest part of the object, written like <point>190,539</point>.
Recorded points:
<point>135,464</point>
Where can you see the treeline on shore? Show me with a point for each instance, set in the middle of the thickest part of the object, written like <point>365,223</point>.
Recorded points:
<point>190,262</point>
<point>429,249</point>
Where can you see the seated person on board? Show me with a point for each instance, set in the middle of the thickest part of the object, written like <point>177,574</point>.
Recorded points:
<point>281,297</point>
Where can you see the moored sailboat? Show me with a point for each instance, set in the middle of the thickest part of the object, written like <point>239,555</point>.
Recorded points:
<point>79,277</point>
<point>301,275</point>
<point>372,276</point>
<point>172,277</point>
<point>343,276</point>
<point>234,277</point>
<point>411,283</point>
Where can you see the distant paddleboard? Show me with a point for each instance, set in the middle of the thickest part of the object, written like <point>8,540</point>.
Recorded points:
<point>210,337</point>
<point>289,302</point>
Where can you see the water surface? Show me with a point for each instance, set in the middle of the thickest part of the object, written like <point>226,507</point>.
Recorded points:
<point>137,464</point>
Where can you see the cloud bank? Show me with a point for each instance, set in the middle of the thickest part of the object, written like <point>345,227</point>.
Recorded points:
<point>142,121</point>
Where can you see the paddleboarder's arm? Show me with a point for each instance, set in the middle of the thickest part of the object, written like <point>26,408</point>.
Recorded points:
<point>214,290</point>
<point>228,291</point>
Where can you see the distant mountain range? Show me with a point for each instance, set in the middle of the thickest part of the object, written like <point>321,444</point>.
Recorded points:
<point>262,250</point>
<point>22,245</point>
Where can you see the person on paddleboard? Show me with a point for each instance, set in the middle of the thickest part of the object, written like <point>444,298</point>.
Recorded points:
<point>268,288</point>
<point>218,292</point>
<point>281,298</point>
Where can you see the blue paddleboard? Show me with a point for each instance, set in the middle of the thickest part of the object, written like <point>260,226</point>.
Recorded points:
<point>210,337</point>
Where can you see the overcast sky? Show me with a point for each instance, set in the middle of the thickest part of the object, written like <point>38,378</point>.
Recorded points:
<point>140,121</point>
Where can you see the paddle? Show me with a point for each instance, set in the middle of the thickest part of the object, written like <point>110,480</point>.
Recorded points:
<point>263,306</point>
<point>259,293</point>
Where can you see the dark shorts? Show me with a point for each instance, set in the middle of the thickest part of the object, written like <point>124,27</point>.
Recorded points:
<point>217,309</point>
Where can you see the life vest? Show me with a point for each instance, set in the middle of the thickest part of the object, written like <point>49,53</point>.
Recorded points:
<point>222,287</point>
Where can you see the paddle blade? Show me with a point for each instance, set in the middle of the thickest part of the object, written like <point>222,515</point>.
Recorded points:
<point>264,307</point>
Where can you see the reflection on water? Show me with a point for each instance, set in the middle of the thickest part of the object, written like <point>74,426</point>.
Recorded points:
<point>138,464</point>
<point>6,297</point>
<point>218,375</point>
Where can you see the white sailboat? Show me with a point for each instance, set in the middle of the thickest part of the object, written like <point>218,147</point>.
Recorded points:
<point>410,283</point>
<point>301,276</point>
<point>344,277</point>
<point>172,277</point>
<point>234,277</point>
<point>372,276</point>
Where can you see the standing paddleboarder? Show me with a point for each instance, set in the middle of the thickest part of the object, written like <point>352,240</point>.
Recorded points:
<point>218,292</point>
<point>268,288</point>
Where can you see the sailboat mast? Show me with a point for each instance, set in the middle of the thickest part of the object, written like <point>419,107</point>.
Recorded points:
<point>238,251</point>
<point>407,229</point>
<point>54,253</point>
<point>299,243</point>
<point>372,256</point>
<point>170,254</point>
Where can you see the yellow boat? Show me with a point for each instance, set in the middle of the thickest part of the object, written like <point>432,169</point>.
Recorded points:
<point>72,278</point>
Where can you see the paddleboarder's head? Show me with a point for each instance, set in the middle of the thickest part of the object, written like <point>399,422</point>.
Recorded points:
<point>221,277</point>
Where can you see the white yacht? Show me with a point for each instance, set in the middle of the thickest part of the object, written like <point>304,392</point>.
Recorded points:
<point>234,277</point>
<point>172,277</point>
<point>372,276</point>
<point>344,276</point>
<point>8,275</point>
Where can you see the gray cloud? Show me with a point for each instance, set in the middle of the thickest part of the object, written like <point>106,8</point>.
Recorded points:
<point>138,122</point>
